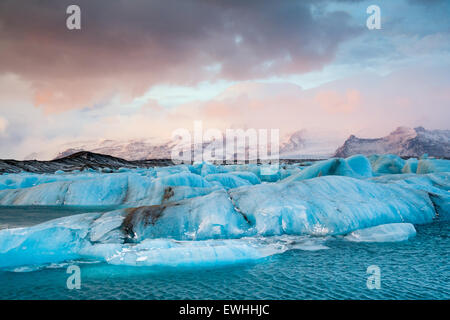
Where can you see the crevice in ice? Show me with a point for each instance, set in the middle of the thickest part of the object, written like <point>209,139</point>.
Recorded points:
<point>333,168</point>
<point>238,210</point>
<point>127,192</point>
<point>65,187</point>
<point>433,199</point>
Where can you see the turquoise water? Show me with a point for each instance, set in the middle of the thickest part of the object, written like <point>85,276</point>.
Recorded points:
<point>416,269</point>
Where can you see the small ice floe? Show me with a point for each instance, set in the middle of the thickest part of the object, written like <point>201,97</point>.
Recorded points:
<point>392,232</point>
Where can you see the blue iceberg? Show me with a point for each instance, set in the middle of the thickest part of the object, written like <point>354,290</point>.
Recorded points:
<point>386,163</point>
<point>433,165</point>
<point>355,166</point>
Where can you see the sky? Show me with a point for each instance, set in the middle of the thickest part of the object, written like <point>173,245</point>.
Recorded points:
<point>141,69</point>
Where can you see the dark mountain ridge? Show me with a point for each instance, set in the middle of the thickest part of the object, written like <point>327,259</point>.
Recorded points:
<point>78,161</point>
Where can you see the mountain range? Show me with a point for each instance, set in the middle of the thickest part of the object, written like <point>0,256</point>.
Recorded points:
<point>301,144</point>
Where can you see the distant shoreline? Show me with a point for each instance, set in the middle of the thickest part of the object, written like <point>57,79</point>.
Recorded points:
<point>86,160</point>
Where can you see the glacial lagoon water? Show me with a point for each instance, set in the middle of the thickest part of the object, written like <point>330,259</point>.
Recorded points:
<point>334,269</point>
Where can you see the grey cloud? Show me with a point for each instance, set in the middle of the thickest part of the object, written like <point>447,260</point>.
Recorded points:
<point>130,45</point>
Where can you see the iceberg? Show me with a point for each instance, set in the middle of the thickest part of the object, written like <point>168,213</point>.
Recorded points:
<point>386,163</point>
<point>27,180</point>
<point>437,185</point>
<point>392,232</point>
<point>410,166</point>
<point>53,241</point>
<point>264,172</point>
<point>356,166</point>
<point>433,166</point>
<point>329,205</point>
<point>97,237</point>
<point>360,165</point>
<point>167,252</point>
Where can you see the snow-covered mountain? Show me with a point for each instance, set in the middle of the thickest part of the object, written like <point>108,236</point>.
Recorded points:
<point>300,144</point>
<point>405,142</point>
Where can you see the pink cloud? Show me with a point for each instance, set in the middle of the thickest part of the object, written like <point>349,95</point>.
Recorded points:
<point>335,102</point>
